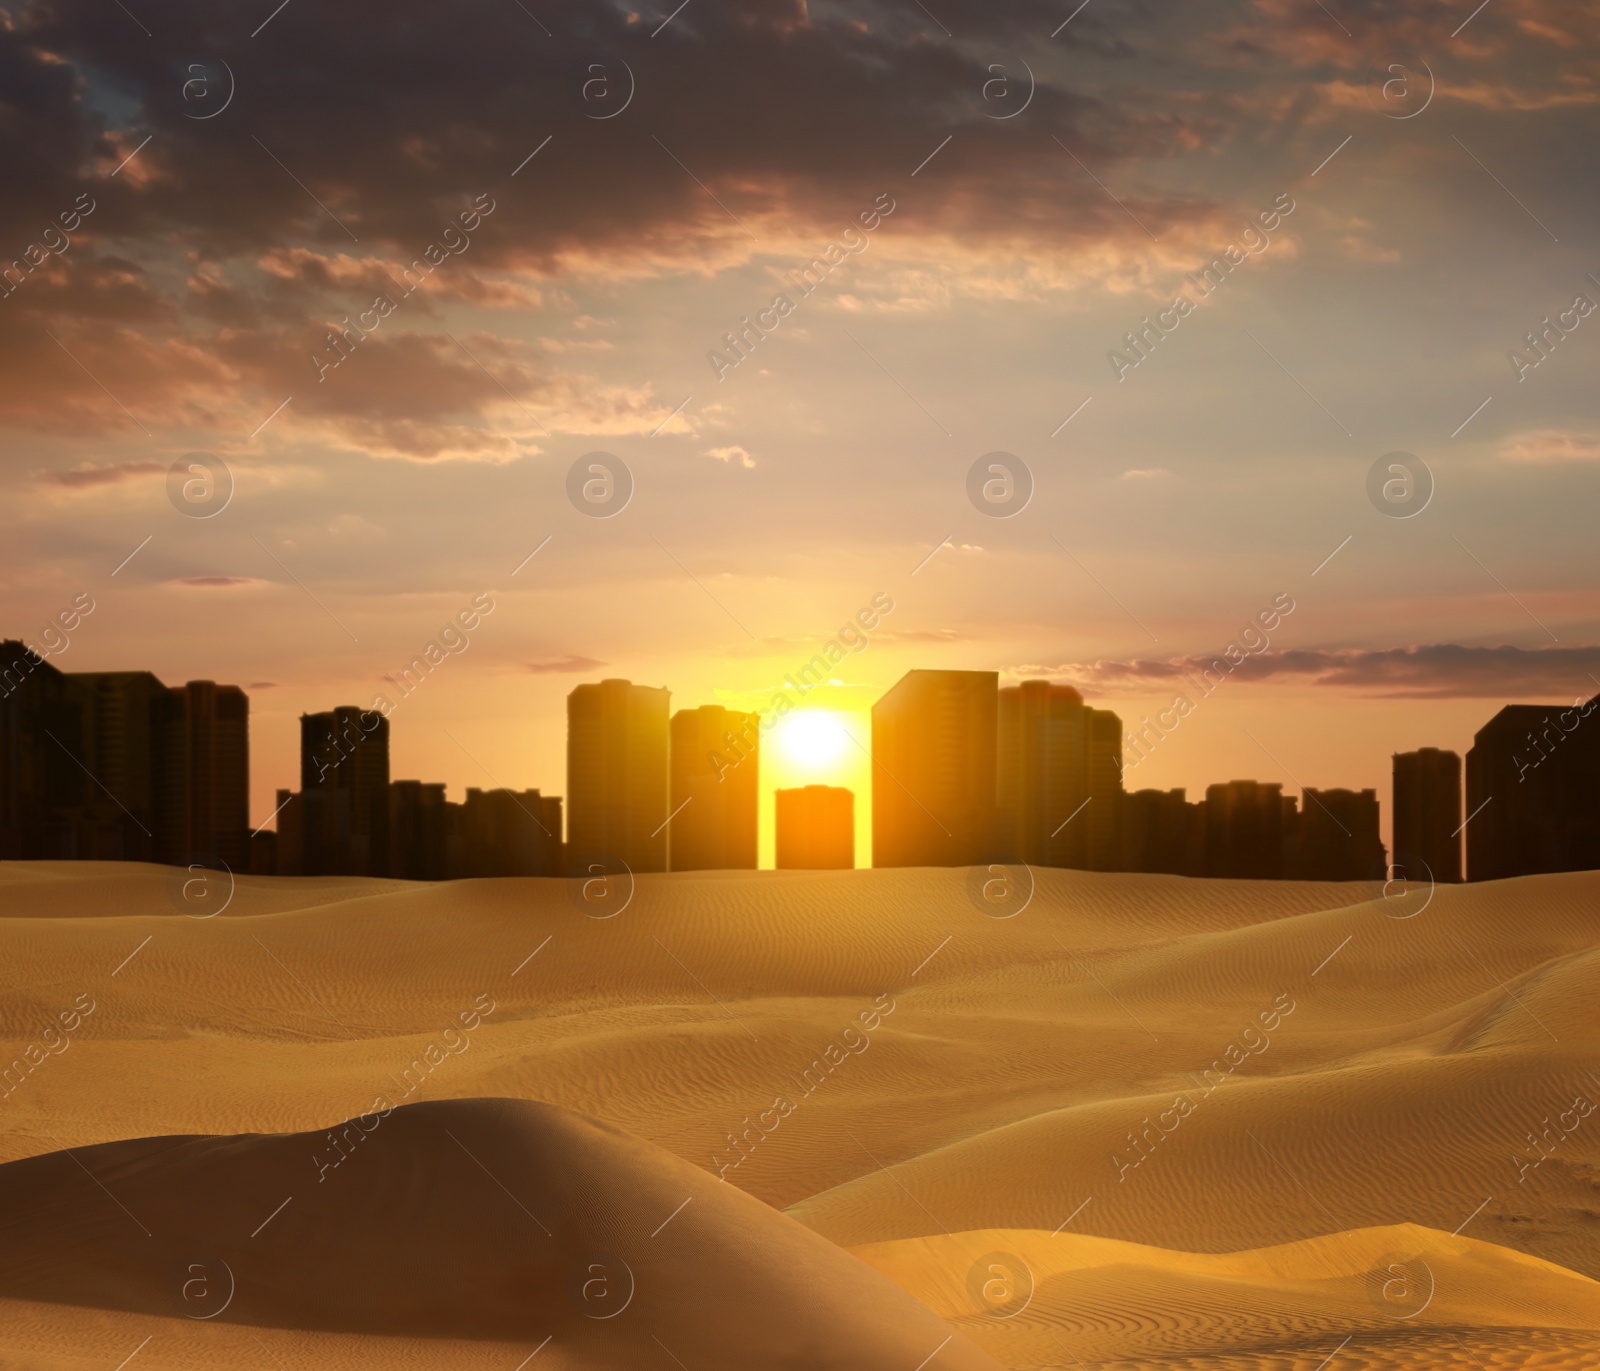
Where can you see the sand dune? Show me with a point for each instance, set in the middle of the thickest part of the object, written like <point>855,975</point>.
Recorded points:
<point>456,1220</point>
<point>871,1052</point>
<point>1401,1296</point>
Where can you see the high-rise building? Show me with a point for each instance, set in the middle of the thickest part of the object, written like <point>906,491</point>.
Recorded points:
<point>715,761</point>
<point>816,828</point>
<point>1159,831</point>
<point>1059,775</point>
<point>40,735</point>
<point>424,844</point>
<point>113,765</point>
<point>1105,790</point>
<point>507,833</point>
<point>205,808</point>
<point>1427,814</point>
<point>1337,837</point>
<point>1244,830</point>
<point>344,793</point>
<point>1533,792</point>
<point>933,771</point>
<point>617,781</point>
<point>128,722</point>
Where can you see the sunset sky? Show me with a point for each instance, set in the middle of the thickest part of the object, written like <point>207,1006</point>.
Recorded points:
<point>611,191</point>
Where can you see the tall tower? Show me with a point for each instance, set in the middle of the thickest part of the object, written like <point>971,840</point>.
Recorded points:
<point>344,791</point>
<point>715,765</point>
<point>1104,783</point>
<point>205,810</point>
<point>1059,776</point>
<point>617,775</point>
<point>130,720</point>
<point>1533,792</point>
<point>933,765</point>
<point>40,733</point>
<point>1427,813</point>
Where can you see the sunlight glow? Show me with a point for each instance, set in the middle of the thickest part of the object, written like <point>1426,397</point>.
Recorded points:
<point>813,738</point>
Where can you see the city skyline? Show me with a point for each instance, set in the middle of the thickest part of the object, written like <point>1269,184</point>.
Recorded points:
<point>967,772</point>
<point>1224,736</point>
<point>1331,735</point>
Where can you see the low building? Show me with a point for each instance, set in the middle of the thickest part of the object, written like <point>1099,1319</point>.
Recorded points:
<point>816,828</point>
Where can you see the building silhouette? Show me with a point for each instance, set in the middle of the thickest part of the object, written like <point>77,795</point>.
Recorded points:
<point>116,766</point>
<point>933,761</point>
<point>816,828</point>
<point>1533,792</point>
<point>1245,830</point>
<point>1337,837</point>
<point>340,818</point>
<point>1160,831</point>
<point>264,852</point>
<point>1427,814</point>
<point>208,804</point>
<point>617,775</point>
<point>40,732</point>
<point>714,796</point>
<point>128,728</point>
<point>424,844</point>
<point>510,833</point>
<point>429,838</point>
<point>1059,777</point>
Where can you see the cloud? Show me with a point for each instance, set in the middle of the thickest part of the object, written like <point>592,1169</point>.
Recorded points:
<point>564,666</point>
<point>731,455</point>
<point>1551,445</point>
<point>87,477</point>
<point>233,255</point>
<point>921,635</point>
<point>1146,474</point>
<point>805,81</point>
<point>216,581</point>
<point>1434,671</point>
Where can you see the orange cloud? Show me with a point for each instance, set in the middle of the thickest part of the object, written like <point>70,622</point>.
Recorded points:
<point>1551,445</point>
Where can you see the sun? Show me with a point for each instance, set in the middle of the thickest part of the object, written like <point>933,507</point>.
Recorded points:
<point>813,738</point>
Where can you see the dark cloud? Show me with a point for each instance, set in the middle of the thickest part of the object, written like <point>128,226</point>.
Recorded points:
<point>229,238</point>
<point>1434,671</point>
<point>394,125</point>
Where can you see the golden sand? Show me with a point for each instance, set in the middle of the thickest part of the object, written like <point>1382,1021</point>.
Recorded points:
<point>1146,1122</point>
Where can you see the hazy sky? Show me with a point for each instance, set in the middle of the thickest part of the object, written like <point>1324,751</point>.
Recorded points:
<point>1406,191</point>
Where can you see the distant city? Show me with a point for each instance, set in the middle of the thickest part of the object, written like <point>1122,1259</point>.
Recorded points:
<point>118,766</point>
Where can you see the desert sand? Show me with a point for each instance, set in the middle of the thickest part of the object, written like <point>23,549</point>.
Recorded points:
<point>797,1120</point>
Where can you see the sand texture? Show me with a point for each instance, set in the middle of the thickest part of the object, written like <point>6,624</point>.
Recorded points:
<point>807,1120</point>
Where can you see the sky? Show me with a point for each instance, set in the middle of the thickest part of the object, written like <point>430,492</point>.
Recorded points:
<point>375,282</point>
